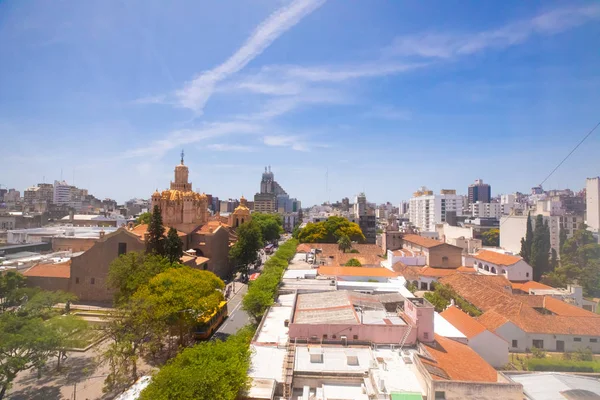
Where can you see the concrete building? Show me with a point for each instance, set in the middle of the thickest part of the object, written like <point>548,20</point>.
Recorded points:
<point>592,207</point>
<point>491,347</point>
<point>480,191</point>
<point>62,193</point>
<point>427,209</point>
<point>486,210</point>
<point>527,321</point>
<point>512,267</point>
<point>272,198</point>
<point>437,254</point>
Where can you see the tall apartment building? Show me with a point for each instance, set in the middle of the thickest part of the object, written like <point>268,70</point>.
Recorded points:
<point>427,209</point>
<point>480,191</point>
<point>592,207</point>
<point>360,205</point>
<point>486,210</point>
<point>62,193</point>
<point>272,198</point>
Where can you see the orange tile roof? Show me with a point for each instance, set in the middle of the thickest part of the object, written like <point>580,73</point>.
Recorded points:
<point>463,322</point>
<point>368,254</point>
<point>459,361</point>
<point>497,258</point>
<point>356,271</point>
<point>525,286</point>
<point>467,270</point>
<point>58,270</point>
<point>303,248</point>
<point>140,231</point>
<point>421,241</point>
<point>500,306</point>
<point>437,272</point>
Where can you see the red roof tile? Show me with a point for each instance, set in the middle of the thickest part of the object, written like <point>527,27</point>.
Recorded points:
<point>421,241</point>
<point>356,271</point>
<point>59,270</point>
<point>525,286</point>
<point>463,322</point>
<point>497,258</point>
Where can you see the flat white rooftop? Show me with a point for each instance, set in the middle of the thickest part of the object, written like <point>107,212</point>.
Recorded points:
<point>273,329</point>
<point>334,359</point>
<point>398,375</point>
<point>300,274</point>
<point>267,362</point>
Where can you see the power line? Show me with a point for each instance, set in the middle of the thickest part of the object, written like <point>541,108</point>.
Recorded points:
<point>571,152</point>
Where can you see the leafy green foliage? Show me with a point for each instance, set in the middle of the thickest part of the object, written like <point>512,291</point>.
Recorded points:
<point>156,233</point>
<point>553,364</point>
<point>527,241</point>
<point>353,262</point>
<point>210,370</point>
<point>540,248</point>
<point>173,246</point>
<point>491,237</point>
<point>441,296</point>
<point>69,330</point>
<point>262,291</point>
<point>270,225</point>
<point>562,239</point>
<point>245,250</point>
<point>330,231</point>
<point>9,283</point>
<point>579,263</point>
<point>144,218</point>
<point>344,243</point>
<point>412,287</point>
<point>130,271</point>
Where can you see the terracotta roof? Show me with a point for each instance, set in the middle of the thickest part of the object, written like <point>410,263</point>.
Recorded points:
<point>497,258</point>
<point>58,270</point>
<point>500,306</point>
<point>368,254</point>
<point>412,272</point>
<point>458,361</point>
<point>140,231</point>
<point>303,248</point>
<point>437,272</point>
<point>525,286</point>
<point>356,271</point>
<point>463,322</point>
<point>421,241</point>
<point>466,270</point>
<point>201,260</point>
<point>211,227</point>
<point>407,253</point>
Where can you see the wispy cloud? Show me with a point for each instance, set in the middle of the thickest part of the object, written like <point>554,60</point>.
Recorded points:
<point>447,45</point>
<point>230,147</point>
<point>338,73</point>
<point>294,142</point>
<point>159,99</point>
<point>388,112</point>
<point>184,137</point>
<point>196,93</point>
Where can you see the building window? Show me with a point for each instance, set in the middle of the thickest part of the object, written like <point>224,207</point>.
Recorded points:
<point>355,337</point>
<point>324,337</point>
<point>425,335</point>
<point>493,270</point>
<point>333,336</point>
<point>77,280</point>
<point>593,340</point>
<point>515,343</point>
<point>439,395</point>
<point>537,343</point>
<point>527,274</point>
<point>93,281</point>
<point>122,248</point>
<point>577,339</point>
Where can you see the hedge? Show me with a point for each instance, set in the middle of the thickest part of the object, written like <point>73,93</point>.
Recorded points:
<point>262,291</point>
<point>549,364</point>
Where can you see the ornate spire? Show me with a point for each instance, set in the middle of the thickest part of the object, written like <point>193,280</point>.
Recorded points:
<point>182,154</point>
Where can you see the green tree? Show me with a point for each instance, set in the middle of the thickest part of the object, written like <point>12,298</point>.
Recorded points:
<point>173,246</point>
<point>527,241</point>
<point>344,243</point>
<point>25,342</point>
<point>210,370</point>
<point>553,260</point>
<point>330,231</point>
<point>69,331</point>
<point>540,248</point>
<point>245,250</point>
<point>491,237</point>
<point>271,226</point>
<point>255,303</point>
<point>353,262</point>
<point>562,239</point>
<point>144,218</point>
<point>130,271</point>
<point>10,282</point>
<point>156,233</point>
<point>179,296</point>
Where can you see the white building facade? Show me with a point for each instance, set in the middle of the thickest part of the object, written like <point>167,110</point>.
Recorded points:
<point>486,210</point>
<point>62,193</point>
<point>592,210</point>
<point>427,209</point>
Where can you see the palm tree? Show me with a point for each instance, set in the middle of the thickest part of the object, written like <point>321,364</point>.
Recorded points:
<point>344,243</point>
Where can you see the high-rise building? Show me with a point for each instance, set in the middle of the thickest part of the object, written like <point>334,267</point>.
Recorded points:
<point>592,206</point>
<point>480,191</point>
<point>62,193</point>
<point>272,198</point>
<point>427,209</point>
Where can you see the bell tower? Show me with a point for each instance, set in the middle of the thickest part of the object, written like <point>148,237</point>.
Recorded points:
<point>181,177</point>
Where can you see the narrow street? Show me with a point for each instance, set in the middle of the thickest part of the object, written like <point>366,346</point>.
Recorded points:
<point>237,318</point>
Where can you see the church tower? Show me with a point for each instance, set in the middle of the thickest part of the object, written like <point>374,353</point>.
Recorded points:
<point>181,177</point>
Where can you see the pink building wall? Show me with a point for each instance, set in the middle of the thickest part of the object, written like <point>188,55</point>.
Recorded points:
<point>374,333</point>
<point>422,316</point>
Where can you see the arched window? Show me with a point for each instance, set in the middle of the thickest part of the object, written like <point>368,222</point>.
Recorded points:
<point>503,271</point>
<point>487,267</point>
<point>242,220</point>
<point>237,223</point>
<point>493,270</point>
<point>444,260</point>
<point>480,266</point>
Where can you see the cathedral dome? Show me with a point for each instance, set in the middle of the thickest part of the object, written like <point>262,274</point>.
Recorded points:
<point>156,194</point>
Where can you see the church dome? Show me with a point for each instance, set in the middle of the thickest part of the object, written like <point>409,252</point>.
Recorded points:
<point>166,194</point>
<point>156,194</point>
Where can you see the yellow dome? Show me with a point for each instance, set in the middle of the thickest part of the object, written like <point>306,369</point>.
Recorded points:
<point>175,195</point>
<point>166,194</point>
<point>156,193</point>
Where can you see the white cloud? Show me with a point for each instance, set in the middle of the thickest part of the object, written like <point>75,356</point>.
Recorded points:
<point>230,147</point>
<point>160,99</point>
<point>295,142</point>
<point>446,45</point>
<point>340,73</point>
<point>388,112</point>
<point>197,92</point>
<point>185,137</point>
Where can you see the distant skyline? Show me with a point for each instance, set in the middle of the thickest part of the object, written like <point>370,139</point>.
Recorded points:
<point>382,96</point>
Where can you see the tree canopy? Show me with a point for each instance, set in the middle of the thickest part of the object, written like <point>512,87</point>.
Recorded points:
<point>491,237</point>
<point>245,250</point>
<point>344,243</point>
<point>156,232</point>
<point>353,262</point>
<point>173,246</point>
<point>209,370</point>
<point>527,241</point>
<point>540,248</point>
<point>271,226</point>
<point>330,231</point>
<point>130,271</point>
<point>144,218</point>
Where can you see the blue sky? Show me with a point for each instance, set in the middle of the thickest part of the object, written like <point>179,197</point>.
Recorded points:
<point>385,95</point>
